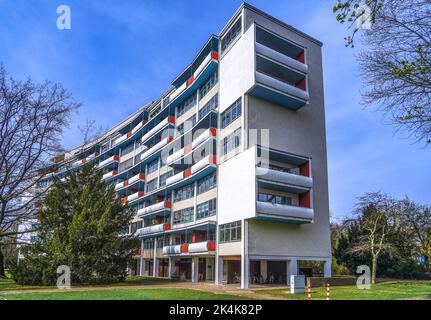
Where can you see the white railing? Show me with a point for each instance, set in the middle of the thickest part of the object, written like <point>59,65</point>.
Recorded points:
<point>172,249</point>
<point>108,161</point>
<point>280,57</point>
<point>281,86</point>
<point>154,208</point>
<point>137,127</point>
<point>175,156</point>
<point>109,174</point>
<point>156,147</point>
<point>178,91</point>
<point>151,229</point>
<point>201,164</point>
<point>175,178</point>
<point>211,132</point>
<point>284,177</point>
<point>286,211</point>
<point>199,247</point>
<point>121,139</point>
<point>159,126</point>
<point>135,196</point>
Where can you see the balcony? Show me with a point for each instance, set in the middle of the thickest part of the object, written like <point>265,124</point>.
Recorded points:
<point>155,208</point>
<point>150,153</point>
<point>284,181</point>
<point>140,177</point>
<point>133,197</point>
<point>160,126</point>
<point>196,171</point>
<point>153,229</point>
<point>109,174</point>
<point>287,213</point>
<point>85,160</point>
<point>111,160</point>
<point>205,247</point>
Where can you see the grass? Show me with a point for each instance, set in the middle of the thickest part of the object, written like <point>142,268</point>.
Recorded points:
<point>381,291</point>
<point>122,294</point>
<point>7,284</point>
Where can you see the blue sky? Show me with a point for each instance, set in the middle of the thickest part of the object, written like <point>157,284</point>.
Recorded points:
<point>120,55</point>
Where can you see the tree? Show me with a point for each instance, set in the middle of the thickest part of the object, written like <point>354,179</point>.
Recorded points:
<point>375,213</point>
<point>84,226</point>
<point>396,65</point>
<point>32,120</point>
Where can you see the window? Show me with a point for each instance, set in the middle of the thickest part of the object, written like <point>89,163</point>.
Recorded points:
<point>186,105</point>
<point>161,242</point>
<point>233,32</point>
<point>134,226</point>
<point>183,216</point>
<point>232,141</point>
<point>230,232</point>
<point>151,185</point>
<point>184,193</point>
<point>153,166</point>
<point>126,149</point>
<point>149,243</point>
<point>210,105</point>
<point>186,125</point>
<point>165,176</point>
<point>206,209</point>
<point>231,113</point>
<point>207,183</point>
<point>264,197</point>
<point>207,86</point>
<point>125,165</point>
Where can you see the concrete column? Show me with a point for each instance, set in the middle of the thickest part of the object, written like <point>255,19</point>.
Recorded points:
<point>218,270</point>
<point>195,269</point>
<point>245,263</point>
<point>155,262</point>
<point>264,269</point>
<point>142,262</point>
<point>171,267</point>
<point>292,269</point>
<point>327,268</point>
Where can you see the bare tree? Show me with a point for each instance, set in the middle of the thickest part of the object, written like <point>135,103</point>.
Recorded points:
<point>396,65</point>
<point>90,131</point>
<point>32,120</point>
<point>375,212</point>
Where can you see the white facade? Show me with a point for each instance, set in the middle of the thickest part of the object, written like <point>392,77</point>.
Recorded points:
<point>212,201</point>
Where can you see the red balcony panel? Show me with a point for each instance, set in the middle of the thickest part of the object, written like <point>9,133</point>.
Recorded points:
<point>184,248</point>
<point>305,200</point>
<point>126,183</point>
<point>129,134</point>
<point>97,154</point>
<point>171,119</point>
<point>301,57</point>
<point>142,176</point>
<point>304,170</point>
<point>166,227</point>
<point>84,161</point>
<point>213,132</point>
<point>114,173</point>
<point>117,157</point>
<point>187,173</point>
<point>211,246</point>
<point>170,139</point>
<point>190,81</point>
<point>168,204</point>
<point>214,55</point>
<point>213,159</point>
<point>302,85</point>
<point>125,200</point>
<point>140,194</point>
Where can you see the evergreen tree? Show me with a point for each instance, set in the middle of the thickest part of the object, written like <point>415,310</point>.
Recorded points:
<point>82,225</point>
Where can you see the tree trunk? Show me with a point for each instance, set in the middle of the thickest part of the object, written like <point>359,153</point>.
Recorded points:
<point>2,271</point>
<point>374,270</point>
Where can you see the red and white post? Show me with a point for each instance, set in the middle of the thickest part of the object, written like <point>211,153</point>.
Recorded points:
<point>309,291</point>
<point>328,292</point>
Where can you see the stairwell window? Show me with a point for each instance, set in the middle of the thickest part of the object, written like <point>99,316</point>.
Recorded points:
<point>230,232</point>
<point>232,141</point>
<point>208,85</point>
<point>183,216</point>
<point>212,104</point>
<point>231,35</point>
<point>231,113</point>
<point>186,105</point>
<point>206,209</point>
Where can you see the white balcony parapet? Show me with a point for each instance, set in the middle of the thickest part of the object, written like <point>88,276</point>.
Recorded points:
<point>77,163</point>
<point>178,91</point>
<point>285,211</point>
<point>154,208</point>
<point>175,156</point>
<point>119,185</point>
<point>172,249</point>
<point>153,229</point>
<point>175,178</point>
<point>202,66</point>
<point>121,139</point>
<point>159,126</point>
<point>281,86</point>
<point>204,246</point>
<point>156,147</point>
<point>105,162</point>
<point>284,177</point>
<point>134,196</point>
<point>137,127</point>
<point>211,132</point>
<point>208,160</point>
<point>109,174</point>
<point>277,56</point>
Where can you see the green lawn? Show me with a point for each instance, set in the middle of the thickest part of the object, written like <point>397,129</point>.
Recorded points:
<point>121,294</point>
<point>7,284</point>
<point>381,291</point>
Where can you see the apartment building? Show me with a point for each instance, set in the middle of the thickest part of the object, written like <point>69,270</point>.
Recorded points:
<point>226,171</point>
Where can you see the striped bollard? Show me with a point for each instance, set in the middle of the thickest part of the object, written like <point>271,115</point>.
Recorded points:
<point>328,291</point>
<point>309,291</point>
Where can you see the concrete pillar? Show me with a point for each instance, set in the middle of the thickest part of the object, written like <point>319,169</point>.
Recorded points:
<point>195,269</point>
<point>218,270</point>
<point>142,262</point>
<point>245,263</point>
<point>264,269</point>
<point>155,261</point>
<point>327,268</point>
<point>292,269</point>
<point>171,267</point>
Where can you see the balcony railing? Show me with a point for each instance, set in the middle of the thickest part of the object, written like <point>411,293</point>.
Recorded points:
<point>207,161</point>
<point>158,127</point>
<point>284,177</point>
<point>160,206</point>
<point>290,213</point>
<point>131,181</point>
<point>114,158</point>
<point>109,174</point>
<point>153,229</point>
<point>156,147</point>
<point>133,197</point>
<point>284,59</point>
<point>185,248</point>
